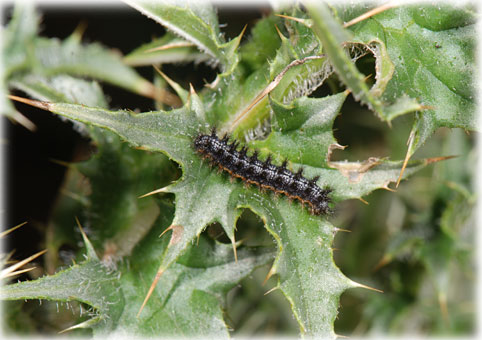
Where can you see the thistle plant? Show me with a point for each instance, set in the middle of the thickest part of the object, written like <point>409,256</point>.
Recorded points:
<point>280,85</point>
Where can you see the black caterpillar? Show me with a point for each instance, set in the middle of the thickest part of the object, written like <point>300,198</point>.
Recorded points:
<point>264,174</point>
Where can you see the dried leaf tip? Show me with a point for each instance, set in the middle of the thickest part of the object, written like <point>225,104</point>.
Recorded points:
<point>36,103</point>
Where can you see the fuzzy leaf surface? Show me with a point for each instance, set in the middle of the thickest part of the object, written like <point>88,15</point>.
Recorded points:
<point>263,43</point>
<point>60,88</point>
<point>120,222</point>
<point>305,124</point>
<point>307,275</point>
<point>89,282</point>
<point>190,294</point>
<point>19,33</point>
<point>196,22</point>
<point>432,48</point>
<point>297,43</point>
<point>333,36</point>
<point>51,57</point>
<point>187,301</point>
<point>25,51</point>
<point>120,219</point>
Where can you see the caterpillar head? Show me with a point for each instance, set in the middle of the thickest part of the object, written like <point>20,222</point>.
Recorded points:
<point>202,143</point>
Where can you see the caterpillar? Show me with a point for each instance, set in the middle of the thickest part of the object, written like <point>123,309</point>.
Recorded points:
<point>265,175</point>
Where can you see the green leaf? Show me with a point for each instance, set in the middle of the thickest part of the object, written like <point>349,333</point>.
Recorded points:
<point>432,49</point>
<point>195,22</point>
<point>357,179</point>
<point>444,16</point>
<point>190,293</point>
<point>188,300</point>
<point>31,64</point>
<point>308,276</point>
<point>18,37</point>
<point>65,88</point>
<point>89,282</point>
<point>300,80</point>
<point>233,95</point>
<point>333,36</point>
<point>290,82</point>
<point>171,133</point>
<point>155,130</point>
<point>306,124</point>
<point>303,133</point>
<point>24,51</point>
<point>119,218</point>
<point>262,45</point>
<point>52,57</point>
<point>113,208</point>
<point>60,88</point>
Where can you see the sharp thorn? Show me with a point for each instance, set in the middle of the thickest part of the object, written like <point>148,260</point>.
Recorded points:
<point>270,273</point>
<point>271,290</point>
<point>4,233</point>
<point>165,189</point>
<point>367,287</point>
<point>235,250</point>
<point>151,290</point>
<point>166,230</point>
